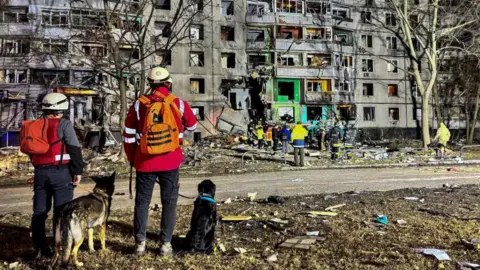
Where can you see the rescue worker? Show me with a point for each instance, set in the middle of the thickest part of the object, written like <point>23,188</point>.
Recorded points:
<point>442,137</point>
<point>57,171</point>
<point>276,137</point>
<point>260,135</point>
<point>321,136</point>
<point>335,137</point>
<point>298,138</point>
<point>285,136</point>
<point>269,136</point>
<point>163,168</point>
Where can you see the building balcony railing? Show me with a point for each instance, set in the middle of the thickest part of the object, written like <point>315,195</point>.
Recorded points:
<point>306,72</point>
<point>267,18</point>
<point>342,97</point>
<point>319,46</point>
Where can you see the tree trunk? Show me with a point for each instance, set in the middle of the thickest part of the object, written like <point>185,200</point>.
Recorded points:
<point>425,122</point>
<point>438,112</point>
<point>475,116</point>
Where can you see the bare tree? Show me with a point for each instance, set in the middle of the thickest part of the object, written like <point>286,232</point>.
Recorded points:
<point>429,30</point>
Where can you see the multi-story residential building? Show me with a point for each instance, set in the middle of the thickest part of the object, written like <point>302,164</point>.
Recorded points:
<point>305,60</point>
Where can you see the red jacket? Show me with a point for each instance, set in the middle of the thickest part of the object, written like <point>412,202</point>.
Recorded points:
<point>57,147</point>
<point>134,126</point>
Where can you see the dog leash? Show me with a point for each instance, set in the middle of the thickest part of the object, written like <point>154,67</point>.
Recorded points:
<point>84,188</point>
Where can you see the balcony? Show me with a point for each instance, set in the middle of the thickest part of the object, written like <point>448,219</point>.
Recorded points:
<point>307,72</point>
<point>311,45</point>
<point>261,19</point>
<point>342,97</point>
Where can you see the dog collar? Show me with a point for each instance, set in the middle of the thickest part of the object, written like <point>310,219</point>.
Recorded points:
<point>209,199</point>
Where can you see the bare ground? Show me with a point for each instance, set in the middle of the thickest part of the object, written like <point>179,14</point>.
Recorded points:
<point>351,241</point>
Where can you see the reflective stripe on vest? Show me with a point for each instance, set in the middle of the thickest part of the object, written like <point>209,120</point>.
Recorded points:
<point>54,154</point>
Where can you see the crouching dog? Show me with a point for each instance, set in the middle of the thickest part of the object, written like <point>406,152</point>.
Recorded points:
<point>80,215</point>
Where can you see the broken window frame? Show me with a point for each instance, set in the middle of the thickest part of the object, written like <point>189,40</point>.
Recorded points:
<point>51,75</point>
<point>368,65</point>
<point>227,7</point>
<point>20,14</point>
<point>159,55</point>
<point>253,61</point>
<point>392,90</point>
<point>197,59</point>
<point>369,114</point>
<point>163,28</point>
<point>54,46</point>
<point>289,6</point>
<point>199,112</point>
<point>290,59</point>
<point>368,90</point>
<point>283,30</point>
<point>128,52</point>
<point>196,32</point>
<point>82,18</point>
<point>323,8</point>
<point>162,4</point>
<point>390,19</point>
<point>366,17</point>
<point>231,60</point>
<point>199,84</point>
<point>323,34</point>
<point>195,5</point>
<point>227,33</point>
<point>259,38</point>
<point>392,43</point>
<point>55,18</point>
<point>259,8</point>
<point>341,85</point>
<point>17,76</point>
<point>392,66</point>
<point>393,114</point>
<point>90,49</point>
<point>367,41</point>
<point>341,12</point>
<point>14,47</point>
<point>316,85</point>
<point>325,57</point>
<point>86,78</point>
<point>318,112</point>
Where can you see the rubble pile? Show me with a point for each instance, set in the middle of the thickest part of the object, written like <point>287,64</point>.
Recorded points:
<point>13,161</point>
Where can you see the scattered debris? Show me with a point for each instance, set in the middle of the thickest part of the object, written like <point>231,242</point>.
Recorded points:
<point>156,208</point>
<point>331,208</point>
<point>13,265</point>
<point>301,242</point>
<point>240,250</point>
<point>313,233</point>
<point>280,221</point>
<point>382,219</point>
<point>251,196</point>
<point>297,180</point>
<point>222,248</point>
<point>272,258</point>
<point>411,198</point>
<point>452,169</point>
<point>322,213</point>
<point>401,222</point>
<point>227,201</point>
<point>120,194</point>
<point>314,154</point>
<point>276,200</point>
<point>236,218</point>
<point>439,254</point>
<point>469,265</point>
<point>472,244</point>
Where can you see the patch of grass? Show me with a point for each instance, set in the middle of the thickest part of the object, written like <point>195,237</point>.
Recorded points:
<point>353,240</point>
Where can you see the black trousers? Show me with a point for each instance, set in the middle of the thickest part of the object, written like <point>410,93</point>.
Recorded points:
<point>50,182</point>
<point>145,182</point>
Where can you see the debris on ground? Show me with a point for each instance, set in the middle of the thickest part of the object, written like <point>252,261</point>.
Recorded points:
<point>222,248</point>
<point>251,196</point>
<point>240,250</point>
<point>236,218</point>
<point>473,244</point>
<point>411,198</point>
<point>321,213</point>
<point>468,265</point>
<point>401,222</point>
<point>272,258</point>
<point>297,180</point>
<point>275,199</point>
<point>333,207</point>
<point>227,201</point>
<point>280,221</point>
<point>313,233</point>
<point>382,219</point>
<point>299,242</point>
<point>439,254</point>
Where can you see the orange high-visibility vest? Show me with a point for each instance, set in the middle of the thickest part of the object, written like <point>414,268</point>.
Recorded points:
<point>269,134</point>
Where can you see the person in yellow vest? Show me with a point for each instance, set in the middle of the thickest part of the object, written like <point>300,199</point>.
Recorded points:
<point>442,137</point>
<point>260,135</point>
<point>269,136</point>
<point>298,138</point>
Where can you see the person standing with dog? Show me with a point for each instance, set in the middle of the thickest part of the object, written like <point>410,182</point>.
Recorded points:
<point>56,155</point>
<point>154,130</point>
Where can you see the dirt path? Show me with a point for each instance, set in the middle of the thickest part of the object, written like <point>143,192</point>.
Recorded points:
<point>276,183</point>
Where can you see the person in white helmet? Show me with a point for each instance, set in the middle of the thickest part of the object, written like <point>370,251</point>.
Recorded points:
<point>57,170</point>
<point>161,166</point>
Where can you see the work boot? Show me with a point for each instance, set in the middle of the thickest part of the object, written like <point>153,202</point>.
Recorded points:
<point>166,249</point>
<point>45,252</point>
<point>140,248</point>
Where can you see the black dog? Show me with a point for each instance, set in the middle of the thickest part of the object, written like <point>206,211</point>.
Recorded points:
<point>204,218</point>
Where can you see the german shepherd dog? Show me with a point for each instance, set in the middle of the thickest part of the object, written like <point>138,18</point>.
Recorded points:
<point>204,219</point>
<point>86,212</point>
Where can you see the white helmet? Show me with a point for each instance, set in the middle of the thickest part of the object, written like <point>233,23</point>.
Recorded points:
<point>55,102</point>
<point>159,75</point>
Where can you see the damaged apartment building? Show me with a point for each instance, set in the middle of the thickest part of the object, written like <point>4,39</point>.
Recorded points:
<point>325,60</point>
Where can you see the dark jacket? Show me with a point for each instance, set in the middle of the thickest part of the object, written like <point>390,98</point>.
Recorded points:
<point>335,136</point>
<point>287,133</point>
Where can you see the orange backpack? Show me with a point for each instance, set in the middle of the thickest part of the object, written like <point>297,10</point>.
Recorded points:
<point>160,130</point>
<point>33,136</point>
